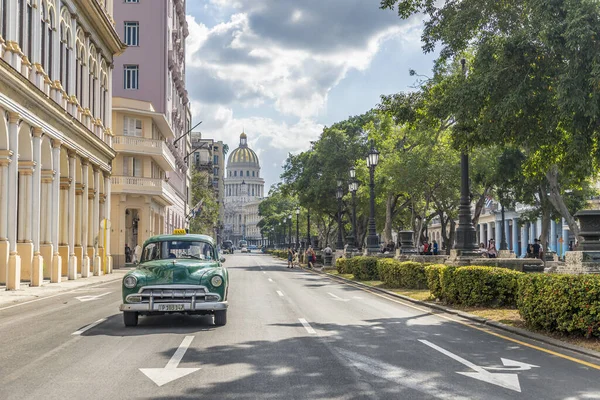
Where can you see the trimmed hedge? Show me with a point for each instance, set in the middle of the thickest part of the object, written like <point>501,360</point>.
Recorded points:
<point>473,285</point>
<point>562,303</point>
<point>341,264</point>
<point>486,286</point>
<point>363,268</point>
<point>408,274</point>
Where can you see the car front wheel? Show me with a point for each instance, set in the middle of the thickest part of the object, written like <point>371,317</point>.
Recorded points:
<point>220,317</point>
<point>130,318</point>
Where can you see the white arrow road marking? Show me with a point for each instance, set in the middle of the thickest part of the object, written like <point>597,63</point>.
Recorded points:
<point>401,376</point>
<point>270,280</point>
<point>162,376</point>
<point>90,298</point>
<point>306,325</point>
<point>508,381</point>
<point>280,293</point>
<point>512,365</point>
<point>90,326</point>
<point>336,297</point>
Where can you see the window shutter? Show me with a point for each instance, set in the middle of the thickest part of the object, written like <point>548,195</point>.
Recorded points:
<point>126,161</point>
<point>137,167</point>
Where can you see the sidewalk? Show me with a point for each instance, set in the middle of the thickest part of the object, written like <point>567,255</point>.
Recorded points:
<point>11,297</point>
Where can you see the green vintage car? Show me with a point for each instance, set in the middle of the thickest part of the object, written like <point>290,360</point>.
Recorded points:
<point>179,273</point>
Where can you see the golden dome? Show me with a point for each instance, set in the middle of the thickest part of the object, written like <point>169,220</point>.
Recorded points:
<point>243,136</point>
<point>243,155</point>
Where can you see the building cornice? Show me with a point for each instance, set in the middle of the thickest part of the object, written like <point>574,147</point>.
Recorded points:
<point>102,24</point>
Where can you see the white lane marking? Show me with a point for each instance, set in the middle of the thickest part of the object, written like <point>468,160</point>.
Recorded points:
<point>306,325</point>
<point>280,293</point>
<point>508,381</point>
<point>336,297</point>
<point>170,372</point>
<point>90,298</point>
<point>270,280</point>
<point>264,272</point>
<point>90,326</point>
<point>55,295</point>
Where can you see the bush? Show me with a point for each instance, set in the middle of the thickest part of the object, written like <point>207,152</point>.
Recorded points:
<point>363,268</point>
<point>486,286</point>
<point>341,264</point>
<point>434,279</point>
<point>562,303</point>
<point>449,293</point>
<point>409,274</point>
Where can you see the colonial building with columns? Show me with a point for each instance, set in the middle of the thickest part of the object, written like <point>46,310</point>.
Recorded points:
<point>55,138</point>
<point>244,190</point>
<point>151,114</point>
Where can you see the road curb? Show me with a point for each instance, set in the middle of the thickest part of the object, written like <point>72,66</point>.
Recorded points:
<point>474,318</point>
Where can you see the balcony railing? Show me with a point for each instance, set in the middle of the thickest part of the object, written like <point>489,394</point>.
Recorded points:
<point>152,147</point>
<point>149,186</point>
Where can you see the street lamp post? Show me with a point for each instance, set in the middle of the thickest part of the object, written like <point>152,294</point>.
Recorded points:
<point>466,237</point>
<point>308,242</point>
<point>290,230</point>
<point>297,227</point>
<point>352,188</point>
<point>339,193</point>
<point>281,241</point>
<point>372,239</point>
<point>503,244</point>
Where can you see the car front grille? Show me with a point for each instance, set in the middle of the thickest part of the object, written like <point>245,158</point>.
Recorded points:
<point>174,294</point>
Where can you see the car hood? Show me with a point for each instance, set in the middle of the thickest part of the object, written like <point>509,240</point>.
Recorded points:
<point>188,272</point>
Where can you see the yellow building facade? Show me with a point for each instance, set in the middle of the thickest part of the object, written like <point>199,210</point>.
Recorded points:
<point>55,139</point>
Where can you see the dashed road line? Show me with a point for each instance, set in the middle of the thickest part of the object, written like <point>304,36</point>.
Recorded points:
<point>280,293</point>
<point>270,280</point>
<point>88,327</point>
<point>307,326</point>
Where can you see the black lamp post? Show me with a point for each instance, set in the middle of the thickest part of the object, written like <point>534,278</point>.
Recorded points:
<point>339,193</point>
<point>297,227</point>
<point>290,230</point>
<point>308,241</point>
<point>281,242</point>
<point>372,239</point>
<point>466,237</point>
<point>352,188</point>
<point>503,244</point>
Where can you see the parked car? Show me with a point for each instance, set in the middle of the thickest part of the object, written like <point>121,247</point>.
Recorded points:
<point>179,273</point>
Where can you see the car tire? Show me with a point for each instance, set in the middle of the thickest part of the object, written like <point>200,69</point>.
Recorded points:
<point>220,317</point>
<point>130,318</point>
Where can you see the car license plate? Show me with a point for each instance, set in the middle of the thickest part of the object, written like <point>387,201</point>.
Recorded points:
<point>171,307</point>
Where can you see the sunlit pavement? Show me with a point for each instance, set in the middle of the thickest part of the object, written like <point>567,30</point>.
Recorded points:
<point>291,334</point>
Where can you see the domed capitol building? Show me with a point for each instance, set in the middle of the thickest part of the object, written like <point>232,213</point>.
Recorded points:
<point>244,190</point>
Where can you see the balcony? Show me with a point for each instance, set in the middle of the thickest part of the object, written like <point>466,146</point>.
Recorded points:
<point>159,189</point>
<point>157,149</point>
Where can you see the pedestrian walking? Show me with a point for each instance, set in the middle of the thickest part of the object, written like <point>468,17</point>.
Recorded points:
<point>290,257</point>
<point>310,257</point>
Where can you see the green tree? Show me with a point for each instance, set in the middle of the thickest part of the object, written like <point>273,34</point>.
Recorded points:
<point>206,214</point>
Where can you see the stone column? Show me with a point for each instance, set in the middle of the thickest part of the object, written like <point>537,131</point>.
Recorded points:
<point>565,236</point>
<point>85,261</point>
<point>524,240</point>
<point>515,235</point>
<point>538,228</point>
<point>497,232</point>
<point>46,211</point>
<point>481,232</point>
<point>72,269</point>
<point>38,262</point>
<point>507,233</point>
<point>489,233</point>
<point>552,242</point>
<point>5,160</point>
<point>96,222</point>
<point>13,281</point>
<point>107,192</point>
<point>56,270</point>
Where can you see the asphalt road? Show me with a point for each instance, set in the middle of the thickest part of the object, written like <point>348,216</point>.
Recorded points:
<point>291,334</point>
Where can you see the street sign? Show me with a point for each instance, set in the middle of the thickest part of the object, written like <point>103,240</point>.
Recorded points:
<point>505,380</point>
<point>162,376</point>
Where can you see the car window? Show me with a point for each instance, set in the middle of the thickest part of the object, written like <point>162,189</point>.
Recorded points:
<point>178,249</point>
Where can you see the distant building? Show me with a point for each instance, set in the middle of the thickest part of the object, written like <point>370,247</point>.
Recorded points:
<point>244,190</point>
<point>151,111</point>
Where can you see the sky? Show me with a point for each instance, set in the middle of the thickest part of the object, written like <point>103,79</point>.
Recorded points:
<point>282,70</point>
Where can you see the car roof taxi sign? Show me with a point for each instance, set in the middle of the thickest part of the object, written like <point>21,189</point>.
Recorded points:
<point>179,232</point>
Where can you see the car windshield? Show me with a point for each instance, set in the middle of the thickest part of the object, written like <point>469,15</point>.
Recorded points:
<point>174,249</point>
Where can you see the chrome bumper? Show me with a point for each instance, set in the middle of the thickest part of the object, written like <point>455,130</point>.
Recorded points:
<point>145,307</point>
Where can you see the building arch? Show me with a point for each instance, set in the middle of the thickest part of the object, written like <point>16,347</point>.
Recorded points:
<point>103,91</point>
<point>66,41</point>
<point>93,78</point>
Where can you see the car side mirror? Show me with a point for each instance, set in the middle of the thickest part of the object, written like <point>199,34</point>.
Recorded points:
<point>222,259</point>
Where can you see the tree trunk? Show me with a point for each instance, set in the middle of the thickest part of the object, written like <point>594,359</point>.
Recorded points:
<point>479,206</point>
<point>450,242</point>
<point>558,202</point>
<point>389,214</point>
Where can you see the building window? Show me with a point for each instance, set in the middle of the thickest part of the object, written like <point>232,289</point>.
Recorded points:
<point>253,174</point>
<point>29,30</point>
<point>247,173</point>
<point>132,167</point>
<point>50,28</point>
<point>215,171</point>
<point>131,78</point>
<point>3,17</point>
<point>132,33</point>
<point>241,173</point>
<point>20,24</point>
<point>132,1</point>
<point>234,173</point>
<point>216,159</point>
<point>132,127</point>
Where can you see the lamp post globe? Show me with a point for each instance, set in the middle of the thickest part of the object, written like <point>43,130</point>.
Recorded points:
<point>372,239</point>
<point>297,227</point>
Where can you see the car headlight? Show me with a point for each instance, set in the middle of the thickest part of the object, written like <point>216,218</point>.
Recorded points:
<point>216,281</point>
<point>130,281</point>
